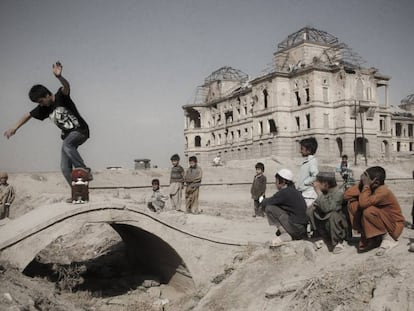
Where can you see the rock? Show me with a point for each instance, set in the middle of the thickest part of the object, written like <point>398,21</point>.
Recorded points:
<point>309,253</point>
<point>282,289</point>
<point>8,297</point>
<point>161,302</point>
<point>288,250</point>
<point>154,292</point>
<point>117,301</point>
<point>150,283</point>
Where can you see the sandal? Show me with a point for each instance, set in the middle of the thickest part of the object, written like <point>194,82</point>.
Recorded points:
<point>366,245</point>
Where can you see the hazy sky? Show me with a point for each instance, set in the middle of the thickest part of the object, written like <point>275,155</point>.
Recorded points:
<point>132,65</point>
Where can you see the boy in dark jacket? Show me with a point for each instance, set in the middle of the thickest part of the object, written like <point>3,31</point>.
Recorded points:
<point>258,189</point>
<point>286,209</point>
<point>192,179</point>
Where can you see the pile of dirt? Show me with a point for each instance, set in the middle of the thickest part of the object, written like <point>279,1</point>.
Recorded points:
<point>88,269</point>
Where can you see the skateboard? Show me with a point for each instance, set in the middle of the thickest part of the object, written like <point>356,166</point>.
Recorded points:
<point>80,186</point>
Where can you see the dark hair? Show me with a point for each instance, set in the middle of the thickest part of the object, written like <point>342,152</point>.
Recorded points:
<point>327,177</point>
<point>38,91</point>
<point>310,144</point>
<point>192,159</point>
<point>376,172</point>
<point>259,165</point>
<point>155,182</point>
<point>175,157</point>
<point>289,183</point>
<point>345,156</point>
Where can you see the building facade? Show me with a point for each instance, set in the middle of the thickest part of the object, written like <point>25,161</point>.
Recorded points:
<point>402,123</point>
<point>316,87</point>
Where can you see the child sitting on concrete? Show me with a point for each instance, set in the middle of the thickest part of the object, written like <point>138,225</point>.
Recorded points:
<point>157,200</point>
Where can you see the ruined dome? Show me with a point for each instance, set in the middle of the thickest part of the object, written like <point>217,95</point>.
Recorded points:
<point>408,100</point>
<point>307,34</point>
<point>227,73</point>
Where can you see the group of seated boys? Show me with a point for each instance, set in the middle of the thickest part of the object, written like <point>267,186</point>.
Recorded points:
<point>368,207</point>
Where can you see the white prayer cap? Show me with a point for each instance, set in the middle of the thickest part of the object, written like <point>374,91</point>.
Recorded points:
<point>286,174</point>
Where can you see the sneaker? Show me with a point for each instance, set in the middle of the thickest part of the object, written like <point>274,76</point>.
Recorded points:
<point>319,244</point>
<point>285,237</point>
<point>387,244</point>
<point>339,248</point>
<point>276,242</point>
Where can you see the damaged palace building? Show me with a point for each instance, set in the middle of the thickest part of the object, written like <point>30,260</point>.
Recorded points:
<point>316,87</point>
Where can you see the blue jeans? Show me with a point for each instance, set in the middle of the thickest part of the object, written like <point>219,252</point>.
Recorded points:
<point>70,156</point>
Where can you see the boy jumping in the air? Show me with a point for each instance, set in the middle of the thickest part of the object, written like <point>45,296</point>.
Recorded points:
<point>62,111</point>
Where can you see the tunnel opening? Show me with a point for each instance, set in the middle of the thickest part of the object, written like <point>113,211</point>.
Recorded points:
<point>131,259</point>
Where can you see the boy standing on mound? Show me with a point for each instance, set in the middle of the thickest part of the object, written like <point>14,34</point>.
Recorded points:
<point>176,182</point>
<point>62,111</point>
<point>192,179</point>
<point>7,195</point>
<point>258,189</point>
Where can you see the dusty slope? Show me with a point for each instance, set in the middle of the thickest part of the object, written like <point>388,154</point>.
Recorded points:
<point>293,277</point>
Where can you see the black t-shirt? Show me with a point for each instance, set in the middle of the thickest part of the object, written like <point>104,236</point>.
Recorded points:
<point>63,113</point>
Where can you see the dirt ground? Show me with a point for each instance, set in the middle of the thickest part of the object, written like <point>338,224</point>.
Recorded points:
<point>88,270</point>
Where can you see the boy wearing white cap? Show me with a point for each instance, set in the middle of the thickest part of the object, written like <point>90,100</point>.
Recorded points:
<point>286,209</point>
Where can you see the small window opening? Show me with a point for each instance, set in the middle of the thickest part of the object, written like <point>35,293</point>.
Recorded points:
<point>197,141</point>
<point>229,116</point>
<point>397,129</point>
<point>265,95</point>
<point>298,98</point>
<point>260,128</point>
<point>308,121</point>
<point>272,126</point>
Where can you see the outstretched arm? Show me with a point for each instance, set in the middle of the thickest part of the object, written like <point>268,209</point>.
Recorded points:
<point>11,131</point>
<point>57,71</point>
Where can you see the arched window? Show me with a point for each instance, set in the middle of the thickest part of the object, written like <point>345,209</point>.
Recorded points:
<point>197,141</point>
<point>340,145</point>
<point>265,98</point>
